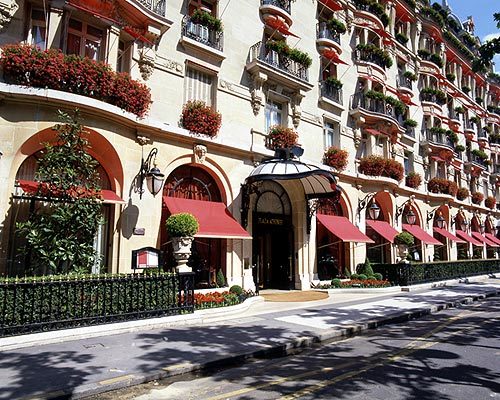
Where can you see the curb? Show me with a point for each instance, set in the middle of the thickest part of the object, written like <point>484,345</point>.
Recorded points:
<point>290,347</point>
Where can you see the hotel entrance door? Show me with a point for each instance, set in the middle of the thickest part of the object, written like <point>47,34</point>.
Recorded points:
<point>273,251</point>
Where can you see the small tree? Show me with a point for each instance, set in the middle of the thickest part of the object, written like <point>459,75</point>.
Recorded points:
<point>366,268</point>
<point>60,237</point>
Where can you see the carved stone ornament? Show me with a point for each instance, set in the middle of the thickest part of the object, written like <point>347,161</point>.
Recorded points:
<point>146,65</point>
<point>257,96</point>
<point>200,153</point>
<point>142,140</point>
<point>7,10</point>
<point>296,110</point>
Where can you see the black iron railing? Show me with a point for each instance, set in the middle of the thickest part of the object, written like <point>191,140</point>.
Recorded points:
<point>410,131</point>
<point>202,34</point>
<point>285,5</point>
<point>324,32</point>
<point>331,92</point>
<point>369,56</point>
<point>278,61</point>
<point>360,100</point>
<point>477,160</point>
<point>157,6</point>
<point>415,273</point>
<point>439,138</point>
<point>64,302</point>
<point>432,98</point>
<point>404,82</point>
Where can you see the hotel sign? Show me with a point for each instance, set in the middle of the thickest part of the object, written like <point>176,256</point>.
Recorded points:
<point>270,221</point>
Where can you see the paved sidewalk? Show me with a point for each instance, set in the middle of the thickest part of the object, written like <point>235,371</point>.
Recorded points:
<point>154,349</point>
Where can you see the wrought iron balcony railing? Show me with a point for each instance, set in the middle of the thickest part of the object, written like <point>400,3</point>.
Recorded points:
<point>324,32</point>
<point>285,5</point>
<point>360,100</point>
<point>331,92</point>
<point>278,61</point>
<point>202,34</point>
<point>157,6</point>
<point>410,131</point>
<point>404,82</point>
<point>438,138</point>
<point>369,56</point>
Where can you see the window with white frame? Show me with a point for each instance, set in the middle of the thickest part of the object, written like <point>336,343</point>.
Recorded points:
<point>441,170</point>
<point>380,147</point>
<point>408,162</point>
<point>85,40</point>
<point>274,114</point>
<point>37,35</point>
<point>199,85</point>
<point>331,131</point>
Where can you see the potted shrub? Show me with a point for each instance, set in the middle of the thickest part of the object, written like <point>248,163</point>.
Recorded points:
<point>410,75</point>
<point>372,165</point>
<point>459,148</point>
<point>394,169</point>
<point>479,154</point>
<point>490,202</point>
<point>336,26</point>
<point>477,197</point>
<point>462,193</point>
<point>409,123</point>
<point>459,110</point>
<point>424,54</point>
<point>206,19</point>
<point>452,136</point>
<point>199,118</point>
<point>413,180</point>
<point>181,228</point>
<point>336,158</point>
<point>465,89</point>
<point>282,48</point>
<point>401,38</point>
<point>281,137</point>
<point>451,77</point>
<point>403,240</point>
<point>436,59</point>
<point>479,100</point>
<point>334,83</point>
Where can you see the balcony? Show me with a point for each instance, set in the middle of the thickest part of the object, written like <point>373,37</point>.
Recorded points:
<point>438,138</point>
<point>477,161</point>
<point>278,67</point>
<point>368,55</point>
<point>410,131</point>
<point>404,82</point>
<point>285,5</point>
<point>326,38</point>
<point>373,110</point>
<point>330,92</point>
<point>436,97</point>
<point>202,34</point>
<point>157,6</point>
<point>272,9</point>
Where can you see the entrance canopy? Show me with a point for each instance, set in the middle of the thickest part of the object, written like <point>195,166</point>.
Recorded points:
<point>468,238</point>
<point>316,182</point>
<point>420,234</point>
<point>383,229</point>
<point>214,218</point>
<point>492,238</point>
<point>448,235</point>
<point>343,228</point>
<point>484,240</point>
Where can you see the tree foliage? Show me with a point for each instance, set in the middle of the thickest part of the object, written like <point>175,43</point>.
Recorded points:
<point>488,50</point>
<point>60,233</point>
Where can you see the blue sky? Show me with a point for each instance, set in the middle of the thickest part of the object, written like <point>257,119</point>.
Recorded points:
<point>482,12</point>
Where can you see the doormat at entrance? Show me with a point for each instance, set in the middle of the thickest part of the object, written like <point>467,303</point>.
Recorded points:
<point>295,296</point>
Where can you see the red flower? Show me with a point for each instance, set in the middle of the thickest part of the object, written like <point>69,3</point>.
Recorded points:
<point>336,158</point>
<point>281,137</point>
<point>200,118</point>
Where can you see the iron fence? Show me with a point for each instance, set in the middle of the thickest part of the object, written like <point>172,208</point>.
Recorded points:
<point>415,273</point>
<point>157,6</point>
<point>331,92</point>
<point>323,31</point>
<point>43,304</point>
<point>202,34</point>
<point>361,100</point>
<point>285,5</point>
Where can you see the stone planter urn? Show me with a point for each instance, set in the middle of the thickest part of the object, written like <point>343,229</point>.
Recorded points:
<point>403,253</point>
<point>182,251</point>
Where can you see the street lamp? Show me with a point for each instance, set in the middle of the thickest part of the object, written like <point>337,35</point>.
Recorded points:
<point>411,217</point>
<point>374,211</point>
<point>362,203</point>
<point>150,172</point>
<point>463,225</point>
<point>440,221</point>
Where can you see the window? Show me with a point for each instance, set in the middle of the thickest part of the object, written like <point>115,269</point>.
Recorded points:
<point>199,85</point>
<point>458,178</point>
<point>38,32</point>
<point>408,162</point>
<point>380,147</point>
<point>441,170</point>
<point>331,132</point>
<point>84,40</point>
<point>124,56</point>
<point>274,114</point>
<point>203,5</point>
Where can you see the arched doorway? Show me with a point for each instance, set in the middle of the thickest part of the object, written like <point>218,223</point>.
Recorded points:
<point>273,237</point>
<point>332,253</point>
<point>18,261</point>
<point>379,230</point>
<point>208,254</point>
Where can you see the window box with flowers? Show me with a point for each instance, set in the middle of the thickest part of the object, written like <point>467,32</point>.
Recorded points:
<point>281,137</point>
<point>413,180</point>
<point>336,158</point>
<point>463,194</point>
<point>206,19</point>
<point>283,49</point>
<point>29,66</point>
<point>379,166</point>
<point>201,119</point>
<point>477,197</point>
<point>490,202</point>
<point>441,185</point>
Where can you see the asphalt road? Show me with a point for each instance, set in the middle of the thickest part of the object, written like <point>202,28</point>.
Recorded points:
<point>453,354</point>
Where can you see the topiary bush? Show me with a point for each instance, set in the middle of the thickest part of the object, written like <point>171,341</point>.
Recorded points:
<point>365,268</point>
<point>362,277</point>
<point>182,224</point>
<point>221,280</point>
<point>378,276</point>
<point>336,282</point>
<point>236,289</point>
<point>404,238</point>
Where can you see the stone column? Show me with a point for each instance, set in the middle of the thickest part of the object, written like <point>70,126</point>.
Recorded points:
<point>113,44</point>
<point>55,28</point>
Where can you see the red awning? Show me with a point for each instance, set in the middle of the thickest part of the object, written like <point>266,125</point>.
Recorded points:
<point>214,218</point>
<point>374,132</point>
<point>468,238</point>
<point>331,4</point>
<point>420,234</point>
<point>279,25</point>
<point>449,235</point>
<point>383,229</point>
<point>492,238</point>
<point>343,229</point>
<point>32,188</point>
<point>333,56</point>
<point>484,240</point>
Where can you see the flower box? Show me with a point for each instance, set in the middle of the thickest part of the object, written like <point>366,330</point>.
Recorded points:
<point>29,66</point>
<point>281,137</point>
<point>441,185</point>
<point>477,197</point>
<point>463,193</point>
<point>199,118</point>
<point>336,158</point>
<point>379,166</point>
<point>413,180</point>
<point>490,202</point>
<point>206,19</point>
<point>282,48</point>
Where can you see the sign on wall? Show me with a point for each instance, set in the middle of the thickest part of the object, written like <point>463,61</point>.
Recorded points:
<point>147,257</point>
